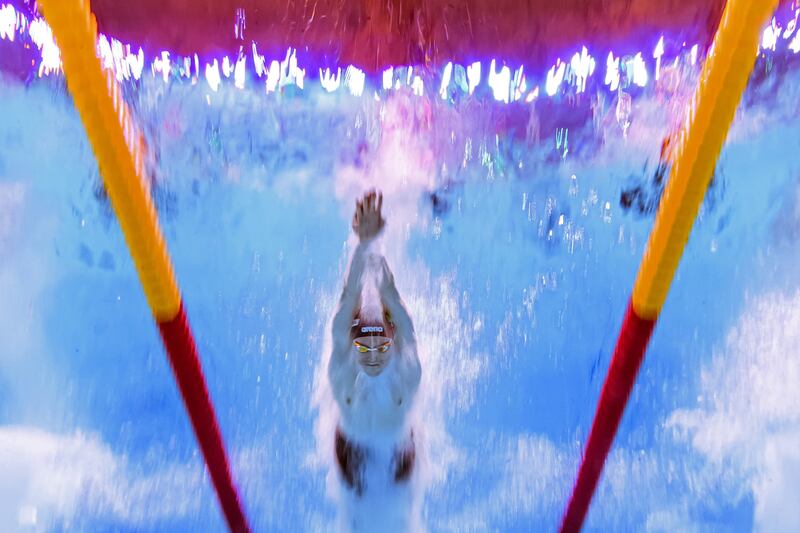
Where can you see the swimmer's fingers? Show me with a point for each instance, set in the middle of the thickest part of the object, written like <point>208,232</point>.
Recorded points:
<point>357,214</point>
<point>377,198</point>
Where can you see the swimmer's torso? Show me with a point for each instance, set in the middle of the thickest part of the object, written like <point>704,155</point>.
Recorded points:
<point>372,407</point>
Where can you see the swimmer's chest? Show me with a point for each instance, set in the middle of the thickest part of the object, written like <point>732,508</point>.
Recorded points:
<point>375,402</point>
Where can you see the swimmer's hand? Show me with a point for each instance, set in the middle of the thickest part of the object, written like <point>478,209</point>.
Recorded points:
<point>368,220</point>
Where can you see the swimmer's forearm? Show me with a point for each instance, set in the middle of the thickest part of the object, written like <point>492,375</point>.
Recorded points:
<point>389,293</point>
<point>351,293</point>
<point>390,297</point>
<point>410,368</point>
<point>401,318</point>
<point>355,272</point>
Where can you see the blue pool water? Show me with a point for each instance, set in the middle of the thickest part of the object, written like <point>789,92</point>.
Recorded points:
<point>516,259</point>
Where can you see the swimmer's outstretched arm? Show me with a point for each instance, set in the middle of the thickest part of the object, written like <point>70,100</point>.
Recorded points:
<point>390,297</point>
<point>350,299</point>
<point>404,326</point>
<point>341,367</point>
<point>367,224</point>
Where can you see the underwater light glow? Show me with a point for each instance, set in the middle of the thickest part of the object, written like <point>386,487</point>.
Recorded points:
<point>474,76</point>
<point>582,66</point>
<point>354,79</point>
<point>136,63</point>
<point>639,70</point>
<point>554,77</point>
<point>388,78</point>
<point>506,87</point>
<point>259,62</point>
<point>448,70</point>
<point>162,65</point>
<point>239,72</point>
<point>105,53</point>
<point>8,22</point>
<point>290,72</point>
<point>273,76</point>
<point>519,83</point>
<point>657,53</point>
<point>612,71</point>
<point>328,80</point>
<point>118,58</point>
<point>417,86</point>
<point>212,75</point>
<point>500,82</point>
<point>769,38</point>
<point>43,37</point>
<point>184,71</point>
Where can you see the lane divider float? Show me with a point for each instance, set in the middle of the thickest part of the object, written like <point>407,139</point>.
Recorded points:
<point>722,82</point>
<point>120,152</point>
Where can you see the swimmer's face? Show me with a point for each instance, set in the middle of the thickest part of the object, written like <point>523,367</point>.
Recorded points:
<point>374,353</point>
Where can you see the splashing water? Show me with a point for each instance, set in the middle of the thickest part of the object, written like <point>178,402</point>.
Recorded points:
<point>512,247</point>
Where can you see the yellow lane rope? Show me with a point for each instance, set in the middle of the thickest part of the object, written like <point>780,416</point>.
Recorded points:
<point>722,82</point>
<point>118,147</point>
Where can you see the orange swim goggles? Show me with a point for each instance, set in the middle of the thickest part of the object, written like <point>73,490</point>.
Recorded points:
<point>362,348</point>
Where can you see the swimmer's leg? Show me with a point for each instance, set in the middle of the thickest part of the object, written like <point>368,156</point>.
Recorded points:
<point>404,461</point>
<point>350,458</point>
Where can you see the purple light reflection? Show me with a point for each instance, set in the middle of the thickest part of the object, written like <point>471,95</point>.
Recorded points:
<point>506,83</point>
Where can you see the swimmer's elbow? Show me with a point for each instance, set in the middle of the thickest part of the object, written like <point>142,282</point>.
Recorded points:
<point>338,328</point>
<point>414,372</point>
<point>417,373</point>
<point>336,371</point>
<point>333,365</point>
<point>407,336</point>
<point>343,319</point>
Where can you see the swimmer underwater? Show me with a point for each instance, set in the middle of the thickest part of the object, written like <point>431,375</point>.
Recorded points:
<point>374,369</point>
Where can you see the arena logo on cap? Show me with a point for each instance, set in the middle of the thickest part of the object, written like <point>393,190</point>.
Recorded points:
<point>372,329</point>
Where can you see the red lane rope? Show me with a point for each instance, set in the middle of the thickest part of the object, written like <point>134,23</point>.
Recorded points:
<point>185,363</point>
<point>628,355</point>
